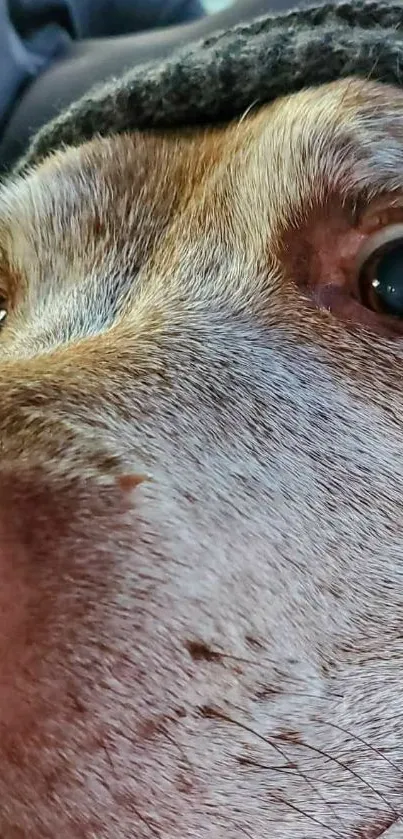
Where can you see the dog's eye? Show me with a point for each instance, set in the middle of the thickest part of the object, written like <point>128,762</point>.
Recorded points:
<point>380,278</point>
<point>3,310</point>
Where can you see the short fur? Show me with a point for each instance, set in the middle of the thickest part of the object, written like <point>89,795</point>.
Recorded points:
<point>201,489</point>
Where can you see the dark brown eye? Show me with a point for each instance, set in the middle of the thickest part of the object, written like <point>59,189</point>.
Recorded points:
<point>380,278</point>
<point>3,310</point>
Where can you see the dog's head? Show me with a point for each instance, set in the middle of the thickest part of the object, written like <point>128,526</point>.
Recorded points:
<point>201,480</point>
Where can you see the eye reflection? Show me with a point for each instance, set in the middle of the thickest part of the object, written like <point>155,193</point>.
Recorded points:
<point>381,274</point>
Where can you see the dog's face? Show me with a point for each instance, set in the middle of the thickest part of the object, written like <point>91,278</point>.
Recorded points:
<point>201,480</point>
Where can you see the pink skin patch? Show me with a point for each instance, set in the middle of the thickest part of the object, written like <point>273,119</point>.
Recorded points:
<point>337,251</point>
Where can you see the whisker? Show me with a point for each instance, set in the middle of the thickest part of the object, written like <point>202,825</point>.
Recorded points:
<point>290,768</point>
<point>247,111</point>
<point>327,698</point>
<point>352,772</point>
<point>244,831</point>
<point>303,775</point>
<point>307,815</point>
<point>364,743</point>
<point>211,713</point>
<point>348,768</point>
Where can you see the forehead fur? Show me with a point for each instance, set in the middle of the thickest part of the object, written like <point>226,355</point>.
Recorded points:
<point>139,214</point>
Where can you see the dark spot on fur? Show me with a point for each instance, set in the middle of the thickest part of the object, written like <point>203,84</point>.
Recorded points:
<point>245,761</point>
<point>255,764</point>
<point>147,729</point>
<point>376,830</point>
<point>201,652</point>
<point>289,735</point>
<point>253,642</point>
<point>266,691</point>
<point>210,713</point>
<point>180,712</point>
<point>184,784</point>
<point>327,667</point>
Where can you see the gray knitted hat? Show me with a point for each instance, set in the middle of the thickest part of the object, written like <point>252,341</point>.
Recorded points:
<point>220,77</point>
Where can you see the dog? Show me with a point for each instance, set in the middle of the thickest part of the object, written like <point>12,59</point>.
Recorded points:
<point>201,479</point>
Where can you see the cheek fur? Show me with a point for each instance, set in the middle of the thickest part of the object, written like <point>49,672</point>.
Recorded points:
<point>55,579</point>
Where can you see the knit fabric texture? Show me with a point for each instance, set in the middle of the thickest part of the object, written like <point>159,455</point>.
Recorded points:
<point>219,78</point>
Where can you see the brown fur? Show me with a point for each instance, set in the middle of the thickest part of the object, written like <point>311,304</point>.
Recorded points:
<point>201,485</point>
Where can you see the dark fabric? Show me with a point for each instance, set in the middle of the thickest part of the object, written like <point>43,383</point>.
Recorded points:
<point>21,59</point>
<point>33,33</point>
<point>220,78</point>
<point>97,18</point>
<point>90,61</point>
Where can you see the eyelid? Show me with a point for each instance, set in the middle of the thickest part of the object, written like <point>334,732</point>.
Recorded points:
<point>383,237</point>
